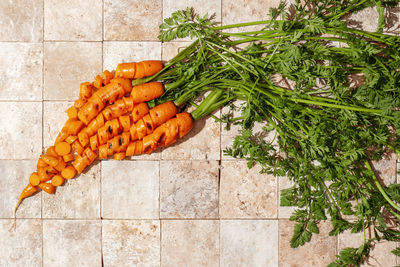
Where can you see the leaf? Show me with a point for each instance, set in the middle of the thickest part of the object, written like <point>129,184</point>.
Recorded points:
<point>300,236</point>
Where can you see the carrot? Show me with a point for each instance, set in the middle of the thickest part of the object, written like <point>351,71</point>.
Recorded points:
<point>125,83</point>
<point>72,112</point>
<point>103,151</point>
<point>185,122</point>
<point>146,92</point>
<point>77,147</point>
<point>98,81</point>
<point>138,70</point>
<point>90,154</point>
<point>34,179</point>
<point>125,122</point>
<point>41,163</point>
<point>28,191</point>
<point>51,151</point>
<point>57,180</point>
<point>95,124</point>
<point>63,148</point>
<point>74,127</point>
<point>61,164</point>
<point>68,158</point>
<point>83,137</point>
<point>79,103</point>
<point>139,110</point>
<point>45,173</point>
<point>61,137</point>
<point>80,163</point>
<point>46,187</point>
<point>70,139</point>
<point>68,172</point>
<point>119,156</point>
<point>161,113</point>
<point>94,142</point>
<point>106,76</point>
<point>52,161</point>
<point>85,91</point>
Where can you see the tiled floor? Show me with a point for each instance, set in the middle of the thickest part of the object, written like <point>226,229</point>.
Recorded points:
<point>188,205</point>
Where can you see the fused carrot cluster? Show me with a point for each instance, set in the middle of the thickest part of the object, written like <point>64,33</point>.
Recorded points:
<point>110,118</point>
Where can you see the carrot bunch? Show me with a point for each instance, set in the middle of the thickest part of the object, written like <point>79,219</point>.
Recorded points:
<point>110,118</point>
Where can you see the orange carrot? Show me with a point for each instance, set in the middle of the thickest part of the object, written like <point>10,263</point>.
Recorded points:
<point>62,148</point>
<point>94,142</point>
<point>146,92</point>
<point>46,187</point>
<point>95,124</point>
<point>77,147</point>
<point>80,163</point>
<point>41,163</point>
<point>34,179</point>
<point>106,76</point>
<point>61,137</point>
<point>119,156</point>
<point>125,122</point>
<point>138,70</point>
<point>52,161</point>
<point>51,151</point>
<point>57,180</point>
<point>98,81</point>
<point>68,158</point>
<point>85,91</point>
<point>68,172</point>
<point>28,191</point>
<point>72,112</point>
<point>61,164</point>
<point>139,111</point>
<point>70,139</point>
<point>83,137</point>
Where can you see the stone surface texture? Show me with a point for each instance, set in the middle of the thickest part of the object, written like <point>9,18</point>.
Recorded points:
<point>186,205</point>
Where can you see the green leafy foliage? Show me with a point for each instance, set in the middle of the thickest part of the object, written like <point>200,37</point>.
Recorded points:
<point>333,108</point>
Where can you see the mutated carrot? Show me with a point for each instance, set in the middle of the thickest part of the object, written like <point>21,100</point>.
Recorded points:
<point>34,179</point>
<point>46,187</point>
<point>68,172</point>
<point>147,91</point>
<point>28,191</point>
<point>62,148</point>
<point>57,180</point>
<point>138,70</point>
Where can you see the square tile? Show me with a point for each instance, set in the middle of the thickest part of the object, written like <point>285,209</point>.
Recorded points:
<point>189,243</point>
<point>366,19</point>
<point>201,143</point>
<point>118,52</point>
<point>189,189</point>
<point>244,11</point>
<point>171,49</point>
<point>20,130</point>
<point>249,243</point>
<point>54,118</point>
<point>73,20</point>
<point>21,67</point>
<point>21,21</point>
<point>380,254</point>
<point>131,243</point>
<point>78,198</point>
<point>201,7</point>
<point>245,193</point>
<point>130,189</point>
<point>322,246</point>
<point>67,65</point>
<point>71,243</point>
<point>132,20</point>
<point>15,176</point>
<point>23,245</point>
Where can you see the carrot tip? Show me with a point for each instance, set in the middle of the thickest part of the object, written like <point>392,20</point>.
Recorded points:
<point>12,228</point>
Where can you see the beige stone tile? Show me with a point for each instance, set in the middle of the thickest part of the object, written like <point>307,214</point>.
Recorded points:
<point>171,49</point>
<point>20,130</point>
<point>118,52</point>
<point>73,20</point>
<point>320,251</point>
<point>201,7</point>
<point>21,20</point>
<point>71,243</point>
<point>244,11</point>
<point>201,143</point>
<point>21,71</point>
<point>249,243</point>
<point>380,255</point>
<point>22,246</point>
<point>385,170</point>
<point>131,243</point>
<point>286,211</point>
<point>15,176</point>
<point>392,16</point>
<point>132,20</point>
<point>130,189</point>
<point>67,65</point>
<point>78,198</point>
<point>366,19</point>
<point>245,193</point>
<point>189,243</point>
<point>189,189</point>
<point>54,118</point>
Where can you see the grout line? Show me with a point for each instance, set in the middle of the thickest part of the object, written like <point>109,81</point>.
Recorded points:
<point>43,69</point>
